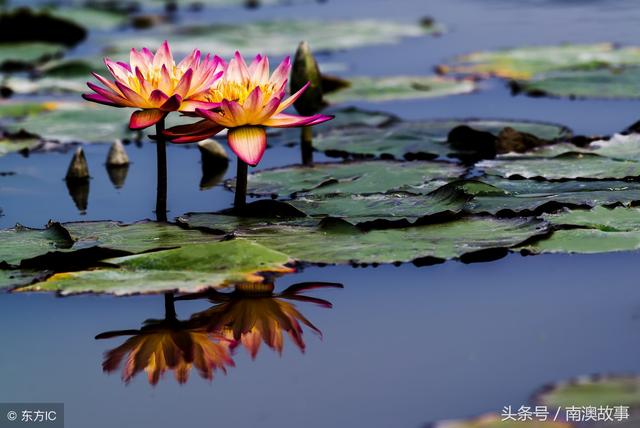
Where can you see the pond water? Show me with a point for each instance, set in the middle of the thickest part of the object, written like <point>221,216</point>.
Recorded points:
<point>402,346</point>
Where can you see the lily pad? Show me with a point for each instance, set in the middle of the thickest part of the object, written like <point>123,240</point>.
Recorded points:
<point>10,146</point>
<point>21,242</point>
<point>495,421</point>
<point>12,110</point>
<point>133,238</point>
<point>76,122</point>
<point>618,146</point>
<point>563,167</point>
<point>400,88</point>
<point>419,139</point>
<point>599,83</point>
<point>11,278</point>
<point>599,391</point>
<point>342,243</point>
<point>25,54</point>
<point>274,37</point>
<point>510,197</point>
<point>187,269</point>
<point>525,62</point>
<point>91,18</point>
<point>352,178</point>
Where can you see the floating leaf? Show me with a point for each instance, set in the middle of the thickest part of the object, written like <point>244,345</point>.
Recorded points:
<point>21,242</point>
<point>336,244</point>
<point>525,62</point>
<point>618,146</point>
<point>67,122</point>
<point>420,139</point>
<point>92,18</point>
<point>10,278</point>
<point>400,88</point>
<point>187,269</point>
<point>601,391</point>
<point>563,167</point>
<point>274,37</point>
<point>532,196</point>
<point>352,178</point>
<point>28,53</point>
<point>10,146</point>
<point>496,421</point>
<point>598,83</point>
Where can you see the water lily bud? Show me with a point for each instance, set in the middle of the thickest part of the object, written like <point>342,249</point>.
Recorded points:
<point>117,155</point>
<point>305,69</point>
<point>78,168</point>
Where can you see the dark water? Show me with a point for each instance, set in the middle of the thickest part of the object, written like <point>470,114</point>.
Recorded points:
<point>403,346</point>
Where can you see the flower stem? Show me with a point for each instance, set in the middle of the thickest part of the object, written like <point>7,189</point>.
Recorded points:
<point>169,307</point>
<point>241,186</point>
<point>161,157</point>
<point>306,145</point>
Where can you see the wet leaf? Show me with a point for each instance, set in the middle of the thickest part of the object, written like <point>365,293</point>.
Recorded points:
<point>273,37</point>
<point>188,269</point>
<point>601,391</point>
<point>10,146</point>
<point>618,146</point>
<point>399,88</point>
<point>495,421</point>
<point>419,139</point>
<point>21,242</point>
<point>525,62</point>
<point>10,278</point>
<point>91,18</point>
<point>563,167</point>
<point>27,53</point>
<point>352,178</point>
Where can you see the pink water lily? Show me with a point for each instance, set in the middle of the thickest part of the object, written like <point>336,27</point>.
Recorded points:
<point>246,99</point>
<point>156,85</point>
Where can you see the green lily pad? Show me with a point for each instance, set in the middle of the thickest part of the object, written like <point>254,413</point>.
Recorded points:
<point>11,278</point>
<point>618,146</point>
<point>351,116</point>
<point>11,146</point>
<point>91,18</point>
<point>28,53</point>
<point>187,269</point>
<point>599,391</point>
<point>532,196</point>
<point>273,37</point>
<point>12,110</point>
<point>496,421</point>
<point>419,139</point>
<point>21,242</point>
<point>400,88</point>
<point>386,208</point>
<point>525,62</point>
<point>133,238</point>
<point>563,167</point>
<point>77,122</point>
<point>599,83</point>
<point>618,219</point>
<point>342,243</point>
<point>352,178</point>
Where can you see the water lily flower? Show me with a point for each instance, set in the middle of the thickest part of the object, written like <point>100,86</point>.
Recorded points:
<point>248,99</point>
<point>156,85</point>
<point>253,314</point>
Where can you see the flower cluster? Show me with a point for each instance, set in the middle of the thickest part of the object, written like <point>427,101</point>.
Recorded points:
<point>226,95</point>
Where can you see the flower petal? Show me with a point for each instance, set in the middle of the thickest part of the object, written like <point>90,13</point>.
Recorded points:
<point>193,132</point>
<point>163,57</point>
<point>144,118</point>
<point>182,88</point>
<point>172,104</point>
<point>283,120</point>
<point>237,70</point>
<point>292,99</point>
<point>281,73</point>
<point>191,105</point>
<point>157,98</point>
<point>248,143</point>
<point>97,98</point>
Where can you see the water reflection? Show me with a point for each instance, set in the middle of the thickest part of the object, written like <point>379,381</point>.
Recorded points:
<point>79,192</point>
<point>118,175</point>
<point>249,314</point>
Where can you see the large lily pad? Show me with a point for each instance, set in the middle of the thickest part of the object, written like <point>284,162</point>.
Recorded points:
<point>500,196</point>
<point>599,391</point>
<point>275,37</point>
<point>77,122</point>
<point>496,421</point>
<point>10,145</point>
<point>10,278</point>
<point>27,53</point>
<point>21,242</point>
<point>598,83</point>
<point>525,62</point>
<point>563,167</point>
<point>420,139</point>
<point>91,18</point>
<point>618,146</point>
<point>352,178</point>
<point>399,88</point>
<point>186,269</point>
<point>340,243</point>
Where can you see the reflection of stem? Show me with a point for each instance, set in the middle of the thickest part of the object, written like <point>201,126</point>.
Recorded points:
<point>306,145</point>
<point>169,307</point>
<point>241,186</point>
<point>161,192</point>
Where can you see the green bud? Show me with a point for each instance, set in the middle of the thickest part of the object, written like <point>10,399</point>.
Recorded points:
<point>305,69</point>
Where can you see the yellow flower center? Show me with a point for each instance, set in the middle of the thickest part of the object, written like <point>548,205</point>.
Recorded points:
<point>236,91</point>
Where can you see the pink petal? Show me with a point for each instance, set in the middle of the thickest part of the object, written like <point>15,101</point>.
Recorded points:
<point>109,95</point>
<point>283,120</point>
<point>259,70</point>
<point>117,70</point>
<point>248,143</point>
<point>172,104</point>
<point>96,98</point>
<point>190,61</point>
<point>138,60</point>
<point>281,73</point>
<point>233,112</point>
<point>268,110</point>
<point>131,95</point>
<point>193,132</point>
<point>144,118</point>
<point>209,115</point>
<point>157,98</point>
<point>237,70</point>
<point>292,99</point>
<point>163,57</point>
<point>184,85</point>
<point>255,101</point>
<point>192,105</point>
<point>165,80</point>
<point>105,82</point>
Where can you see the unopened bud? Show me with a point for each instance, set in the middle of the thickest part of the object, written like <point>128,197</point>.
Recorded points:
<point>117,155</point>
<point>305,69</point>
<point>78,168</point>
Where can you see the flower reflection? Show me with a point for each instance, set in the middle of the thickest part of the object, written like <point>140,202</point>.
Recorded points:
<point>253,313</point>
<point>250,314</point>
<point>168,344</point>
